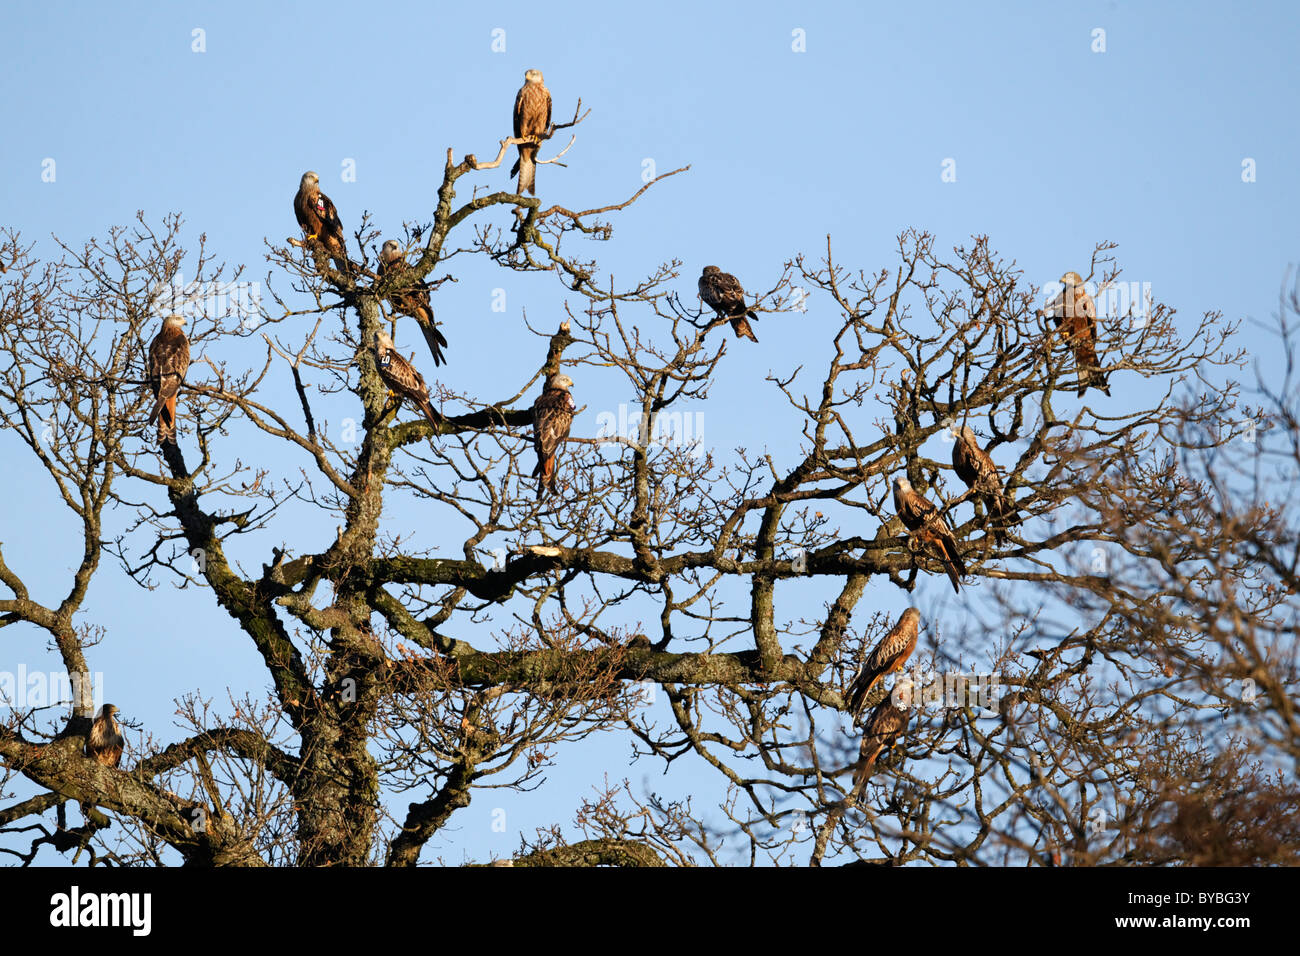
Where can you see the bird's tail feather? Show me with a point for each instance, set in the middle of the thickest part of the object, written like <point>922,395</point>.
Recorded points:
<point>1001,512</point>
<point>545,472</point>
<point>434,418</point>
<point>861,690</point>
<point>1095,378</point>
<point>167,421</point>
<point>954,565</point>
<point>742,328</point>
<point>527,170</point>
<point>167,389</point>
<point>863,773</point>
<point>437,342</point>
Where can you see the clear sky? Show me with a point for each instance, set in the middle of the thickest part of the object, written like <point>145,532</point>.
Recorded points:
<point>798,120</point>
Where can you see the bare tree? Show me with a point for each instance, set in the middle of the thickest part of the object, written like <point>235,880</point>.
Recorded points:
<point>394,671</point>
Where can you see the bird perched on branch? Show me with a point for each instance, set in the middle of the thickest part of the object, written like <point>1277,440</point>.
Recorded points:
<point>974,466</point>
<point>923,519</point>
<point>889,656</point>
<point>320,220</point>
<point>169,360</point>
<point>532,121</point>
<point>402,378</point>
<point>886,722</point>
<point>105,742</point>
<point>723,293</point>
<point>552,418</point>
<point>413,302</point>
<point>1075,315</point>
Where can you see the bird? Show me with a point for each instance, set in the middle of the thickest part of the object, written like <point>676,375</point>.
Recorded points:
<point>552,418</point>
<point>723,293</point>
<point>320,220</point>
<point>889,656</point>
<point>402,378</point>
<point>886,722</point>
<point>105,743</point>
<point>974,466</point>
<point>922,518</point>
<point>532,121</point>
<point>169,360</point>
<point>1075,315</point>
<point>414,302</point>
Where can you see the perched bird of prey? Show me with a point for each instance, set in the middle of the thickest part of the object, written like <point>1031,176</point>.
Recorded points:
<point>105,743</point>
<point>402,378</point>
<point>1076,316</point>
<point>974,466</point>
<point>889,656</point>
<point>169,360</point>
<point>552,418</point>
<point>414,302</point>
<point>320,220</point>
<point>923,519</point>
<point>723,293</point>
<point>882,728</point>
<point>532,120</point>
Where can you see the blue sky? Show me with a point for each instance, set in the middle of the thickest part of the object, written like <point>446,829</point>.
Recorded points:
<point>1055,147</point>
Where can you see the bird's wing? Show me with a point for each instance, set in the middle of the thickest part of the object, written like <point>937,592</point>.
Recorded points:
<point>986,473</point>
<point>552,418</point>
<point>731,292</point>
<point>404,377</point>
<point>331,218</point>
<point>917,510</point>
<point>709,293</point>
<point>519,111</point>
<point>306,213</point>
<point>899,642</point>
<point>169,354</point>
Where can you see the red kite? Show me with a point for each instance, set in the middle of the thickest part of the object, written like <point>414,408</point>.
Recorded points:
<point>402,378</point>
<point>320,220</point>
<point>974,466</point>
<point>105,743</point>
<point>169,359</point>
<point>889,656</point>
<point>532,120</point>
<point>1076,315</point>
<point>415,302</point>
<point>922,518</point>
<point>723,293</point>
<point>552,418</point>
<point>884,725</point>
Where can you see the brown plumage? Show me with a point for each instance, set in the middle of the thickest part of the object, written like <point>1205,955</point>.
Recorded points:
<point>723,293</point>
<point>532,120</point>
<point>889,656</point>
<point>403,378</point>
<point>1075,315</point>
<point>105,742</point>
<point>414,302</point>
<point>882,728</point>
<point>169,359</point>
<point>923,520</point>
<point>974,466</point>
<point>552,418</point>
<point>320,220</point>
